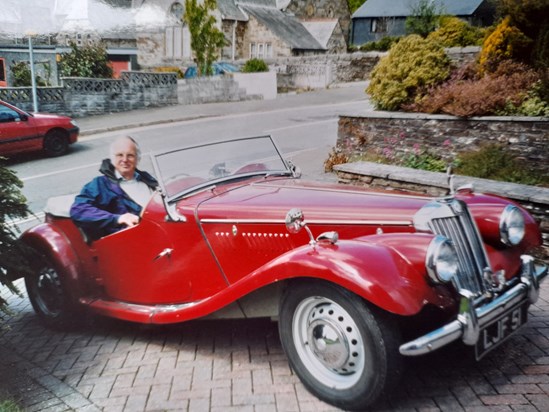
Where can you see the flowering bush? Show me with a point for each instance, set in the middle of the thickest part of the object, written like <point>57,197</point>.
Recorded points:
<point>411,65</point>
<point>454,32</point>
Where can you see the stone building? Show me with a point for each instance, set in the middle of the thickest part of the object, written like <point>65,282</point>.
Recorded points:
<point>253,28</point>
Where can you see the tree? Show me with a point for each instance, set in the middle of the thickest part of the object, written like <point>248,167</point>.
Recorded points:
<point>87,61</point>
<point>424,18</point>
<point>13,262</point>
<point>206,38</point>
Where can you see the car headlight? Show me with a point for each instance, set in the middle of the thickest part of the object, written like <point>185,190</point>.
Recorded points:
<point>511,226</point>
<point>73,122</point>
<point>442,260</point>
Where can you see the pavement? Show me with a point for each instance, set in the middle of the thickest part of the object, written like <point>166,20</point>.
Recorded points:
<point>239,365</point>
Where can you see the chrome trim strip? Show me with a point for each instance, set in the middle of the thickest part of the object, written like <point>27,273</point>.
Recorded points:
<point>469,321</point>
<point>313,222</point>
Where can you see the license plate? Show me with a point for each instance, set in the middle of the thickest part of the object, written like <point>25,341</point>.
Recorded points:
<point>500,329</point>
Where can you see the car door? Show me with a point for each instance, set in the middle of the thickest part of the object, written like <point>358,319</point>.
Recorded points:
<point>17,132</point>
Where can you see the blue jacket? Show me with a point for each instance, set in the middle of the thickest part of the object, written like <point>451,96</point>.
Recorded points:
<point>101,202</point>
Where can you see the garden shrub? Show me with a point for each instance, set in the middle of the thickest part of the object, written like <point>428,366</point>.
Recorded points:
<point>504,43</point>
<point>13,262</point>
<point>170,69</point>
<point>255,65</point>
<point>454,32</point>
<point>86,61</point>
<point>21,74</point>
<point>496,162</point>
<point>488,95</point>
<point>412,64</point>
<point>382,44</point>
<point>424,18</point>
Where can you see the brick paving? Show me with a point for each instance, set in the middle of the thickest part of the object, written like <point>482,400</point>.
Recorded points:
<point>219,365</point>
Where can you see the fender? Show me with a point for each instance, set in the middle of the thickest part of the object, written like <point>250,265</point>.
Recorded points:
<point>387,270</point>
<point>46,239</point>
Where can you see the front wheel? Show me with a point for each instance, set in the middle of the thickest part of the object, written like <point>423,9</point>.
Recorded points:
<point>56,143</point>
<point>48,296</point>
<point>344,352</point>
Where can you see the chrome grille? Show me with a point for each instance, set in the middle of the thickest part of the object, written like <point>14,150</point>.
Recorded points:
<point>451,218</point>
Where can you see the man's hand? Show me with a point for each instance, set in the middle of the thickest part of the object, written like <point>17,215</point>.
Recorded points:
<point>128,220</point>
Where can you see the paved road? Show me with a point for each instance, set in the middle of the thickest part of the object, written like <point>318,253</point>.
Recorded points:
<point>108,365</point>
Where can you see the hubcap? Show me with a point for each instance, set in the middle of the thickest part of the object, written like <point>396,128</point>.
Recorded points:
<point>329,342</point>
<point>48,291</point>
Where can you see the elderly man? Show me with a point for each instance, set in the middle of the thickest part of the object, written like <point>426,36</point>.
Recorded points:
<point>114,200</point>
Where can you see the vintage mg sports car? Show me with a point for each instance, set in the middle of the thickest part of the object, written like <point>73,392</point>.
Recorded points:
<point>356,278</point>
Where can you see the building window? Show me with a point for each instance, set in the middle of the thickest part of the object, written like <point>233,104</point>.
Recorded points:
<point>177,36</point>
<point>261,50</point>
<point>379,26</point>
<point>79,39</point>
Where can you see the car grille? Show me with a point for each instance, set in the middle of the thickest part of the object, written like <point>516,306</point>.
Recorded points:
<point>453,220</point>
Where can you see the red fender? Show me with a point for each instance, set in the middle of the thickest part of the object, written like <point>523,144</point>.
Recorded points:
<point>51,242</point>
<point>386,270</point>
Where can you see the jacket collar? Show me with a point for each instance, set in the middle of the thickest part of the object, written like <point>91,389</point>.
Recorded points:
<point>107,168</point>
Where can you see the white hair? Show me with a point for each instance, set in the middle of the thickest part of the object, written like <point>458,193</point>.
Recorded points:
<point>118,140</point>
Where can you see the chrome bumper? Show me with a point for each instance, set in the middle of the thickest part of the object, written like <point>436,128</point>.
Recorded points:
<point>471,320</point>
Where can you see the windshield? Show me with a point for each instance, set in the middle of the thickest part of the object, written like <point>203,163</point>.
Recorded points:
<point>183,171</point>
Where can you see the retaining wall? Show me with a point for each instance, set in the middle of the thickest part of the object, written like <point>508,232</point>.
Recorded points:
<point>395,134</point>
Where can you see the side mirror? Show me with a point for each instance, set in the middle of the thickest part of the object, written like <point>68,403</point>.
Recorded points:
<point>294,220</point>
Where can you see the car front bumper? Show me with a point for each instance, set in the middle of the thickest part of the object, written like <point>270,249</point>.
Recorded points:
<point>471,320</point>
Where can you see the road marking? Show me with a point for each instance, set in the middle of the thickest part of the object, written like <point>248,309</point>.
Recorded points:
<point>297,126</point>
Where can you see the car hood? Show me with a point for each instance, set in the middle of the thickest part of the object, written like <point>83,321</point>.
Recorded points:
<point>47,116</point>
<point>271,200</point>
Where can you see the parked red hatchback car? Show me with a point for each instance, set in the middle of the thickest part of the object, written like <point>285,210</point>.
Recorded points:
<point>367,278</point>
<point>26,132</point>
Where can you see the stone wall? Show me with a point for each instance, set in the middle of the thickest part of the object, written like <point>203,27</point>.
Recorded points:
<point>83,97</point>
<point>394,134</point>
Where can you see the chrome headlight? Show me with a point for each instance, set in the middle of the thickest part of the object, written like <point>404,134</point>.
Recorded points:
<point>511,225</point>
<point>442,260</point>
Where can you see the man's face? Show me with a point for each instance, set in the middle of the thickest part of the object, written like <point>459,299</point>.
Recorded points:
<point>125,158</point>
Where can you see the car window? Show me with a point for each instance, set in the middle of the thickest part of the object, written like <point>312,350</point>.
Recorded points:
<point>7,114</point>
<point>185,170</point>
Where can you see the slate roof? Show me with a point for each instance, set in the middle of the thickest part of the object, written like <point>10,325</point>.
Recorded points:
<point>403,8</point>
<point>230,11</point>
<point>283,25</point>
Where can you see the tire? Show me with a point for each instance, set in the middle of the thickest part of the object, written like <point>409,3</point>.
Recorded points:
<point>56,143</point>
<point>48,297</point>
<point>344,352</point>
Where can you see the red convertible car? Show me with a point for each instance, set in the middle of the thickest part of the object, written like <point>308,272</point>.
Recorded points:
<point>367,278</point>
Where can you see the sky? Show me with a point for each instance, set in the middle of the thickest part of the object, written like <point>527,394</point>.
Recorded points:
<point>46,17</point>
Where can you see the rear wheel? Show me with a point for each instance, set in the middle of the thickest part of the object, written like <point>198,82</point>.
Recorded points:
<point>48,296</point>
<point>344,352</point>
<point>56,143</point>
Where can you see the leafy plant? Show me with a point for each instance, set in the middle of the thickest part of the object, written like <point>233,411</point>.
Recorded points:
<point>9,406</point>
<point>506,42</point>
<point>496,162</point>
<point>21,74</point>
<point>86,61</point>
<point>255,65</point>
<point>170,69</point>
<point>12,255</point>
<point>336,157</point>
<point>413,64</point>
<point>487,95</point>
<point>382,44</point>
<point>424,17</point>
<point>206,38</point>
<point>454,32</point>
